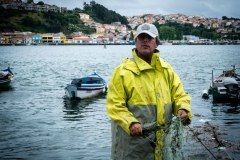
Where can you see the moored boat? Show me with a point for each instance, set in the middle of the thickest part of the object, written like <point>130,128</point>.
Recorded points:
<point>86,87</point>
<point>226,87</point>
<point>6,76</point>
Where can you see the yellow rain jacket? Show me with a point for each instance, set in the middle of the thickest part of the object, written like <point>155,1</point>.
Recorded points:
<point>144,93</point>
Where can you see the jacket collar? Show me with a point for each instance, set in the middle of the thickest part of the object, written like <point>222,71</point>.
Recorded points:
<point>136,64</point>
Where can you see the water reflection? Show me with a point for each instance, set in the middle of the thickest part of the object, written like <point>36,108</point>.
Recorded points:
<point>229,103</point>
<point>8,88</point>
<point>74,109</point>
<point>233,110</point>
<point>228,108</point>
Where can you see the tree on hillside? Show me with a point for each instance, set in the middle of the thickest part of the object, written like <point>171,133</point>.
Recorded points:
<point>30,1</point>
<point>101,14</point>
<point>226,18</point>
<point>131,36</point>
<point>167,33</point>
<point>40,3</point>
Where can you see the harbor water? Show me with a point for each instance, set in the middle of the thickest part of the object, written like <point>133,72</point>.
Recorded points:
<point>38,122</point>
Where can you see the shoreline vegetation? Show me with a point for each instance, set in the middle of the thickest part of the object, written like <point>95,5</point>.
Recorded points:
<point>32,23</point>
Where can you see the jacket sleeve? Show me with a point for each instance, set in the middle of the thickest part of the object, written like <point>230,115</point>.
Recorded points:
<point>116,103</point>
<point>180,99</point>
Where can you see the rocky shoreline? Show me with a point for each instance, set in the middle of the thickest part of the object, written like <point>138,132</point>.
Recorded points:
<point>208,142</point>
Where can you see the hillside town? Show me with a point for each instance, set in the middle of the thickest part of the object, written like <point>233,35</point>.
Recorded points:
<point>114,33</point>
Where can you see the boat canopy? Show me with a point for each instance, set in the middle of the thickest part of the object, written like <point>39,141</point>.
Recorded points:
<point>87,80</point>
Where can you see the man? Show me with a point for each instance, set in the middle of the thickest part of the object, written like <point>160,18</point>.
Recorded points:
<point>143,94</point>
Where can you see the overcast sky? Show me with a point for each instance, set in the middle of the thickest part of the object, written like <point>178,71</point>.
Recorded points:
<point>205,8</point>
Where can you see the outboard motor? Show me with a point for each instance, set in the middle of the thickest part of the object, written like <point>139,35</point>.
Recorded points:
<point>232,88</point>
<point>71,91</point>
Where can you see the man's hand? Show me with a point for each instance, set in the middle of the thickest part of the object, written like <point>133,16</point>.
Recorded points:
<point>136,129</point>
<point>182,114</point>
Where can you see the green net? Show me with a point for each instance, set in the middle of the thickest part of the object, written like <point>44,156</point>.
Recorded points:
<point>173,141</point>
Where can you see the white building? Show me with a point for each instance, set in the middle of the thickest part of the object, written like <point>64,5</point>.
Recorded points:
<point>191,38</point>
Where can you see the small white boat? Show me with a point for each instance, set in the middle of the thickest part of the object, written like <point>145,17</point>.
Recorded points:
<point>86,87</point>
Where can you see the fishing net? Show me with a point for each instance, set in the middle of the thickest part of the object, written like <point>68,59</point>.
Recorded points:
<point>173,141</point>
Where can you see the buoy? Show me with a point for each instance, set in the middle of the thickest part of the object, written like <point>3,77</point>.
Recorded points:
<point>205,94</point>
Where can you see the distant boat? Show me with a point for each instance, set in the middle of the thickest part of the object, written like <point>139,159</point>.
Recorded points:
<point>86,87</point>
<point>225,87</point>
<point>6,76</point>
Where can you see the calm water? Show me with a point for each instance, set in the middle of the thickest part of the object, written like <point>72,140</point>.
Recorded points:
<point>36,122</point>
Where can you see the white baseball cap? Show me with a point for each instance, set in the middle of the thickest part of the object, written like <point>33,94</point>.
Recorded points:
<point>149,29</point>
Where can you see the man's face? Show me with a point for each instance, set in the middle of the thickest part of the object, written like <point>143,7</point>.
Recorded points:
<point>145,45</point>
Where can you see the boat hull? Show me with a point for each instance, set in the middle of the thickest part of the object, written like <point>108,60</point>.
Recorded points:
<point>84,93</point>
<point>89,93</point>
<point>223,96</point>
